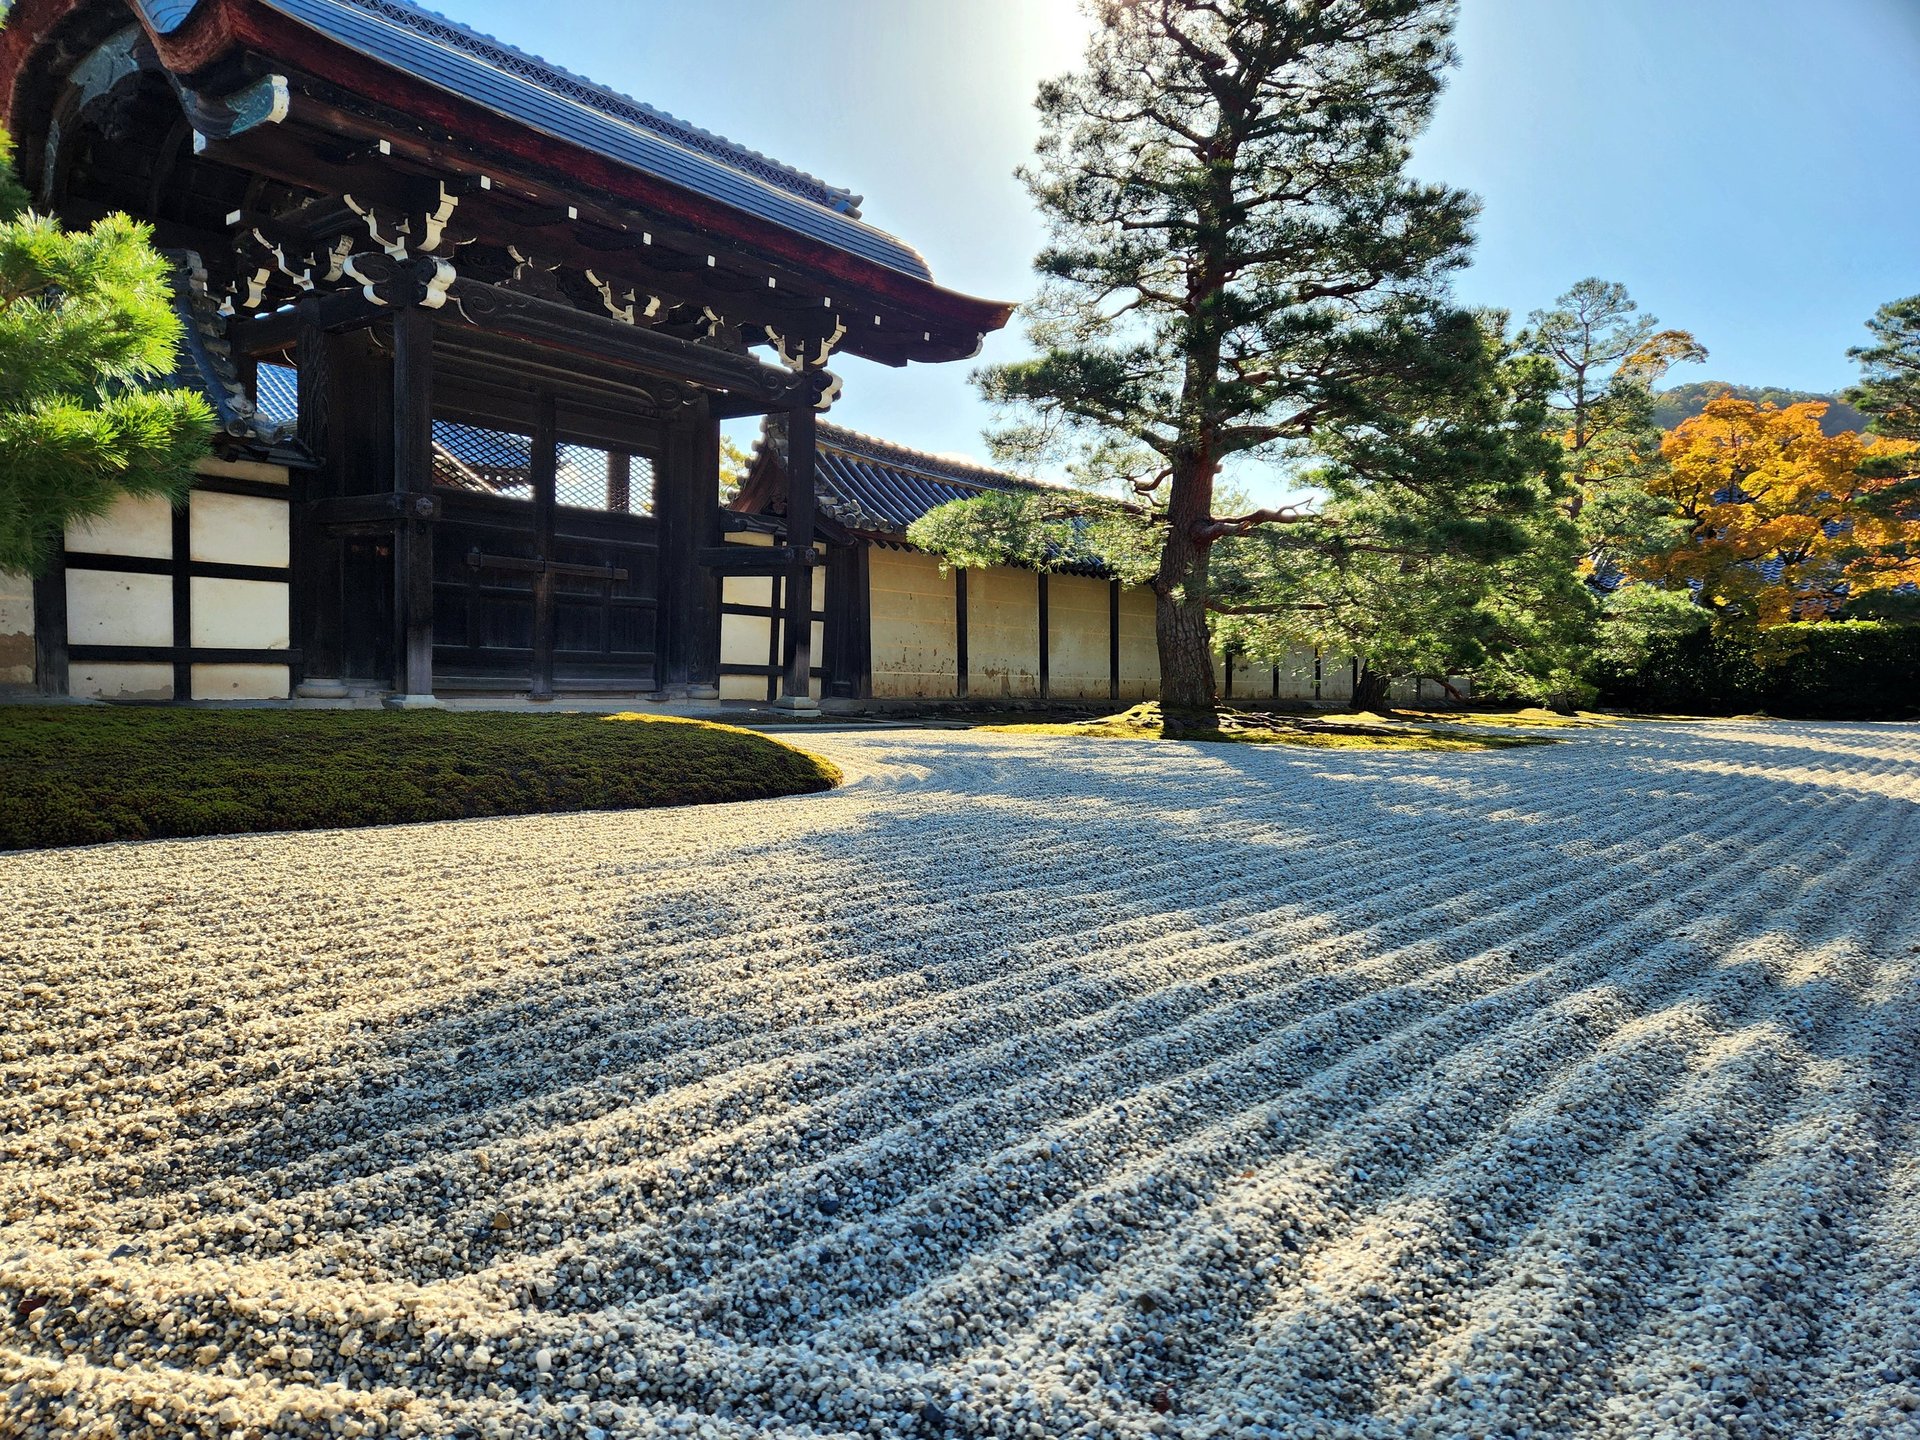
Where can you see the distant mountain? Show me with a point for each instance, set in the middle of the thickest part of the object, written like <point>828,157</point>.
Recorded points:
<point>1683,402</point>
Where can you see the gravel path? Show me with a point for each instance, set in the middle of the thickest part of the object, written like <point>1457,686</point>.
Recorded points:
<point>1022,1087</point>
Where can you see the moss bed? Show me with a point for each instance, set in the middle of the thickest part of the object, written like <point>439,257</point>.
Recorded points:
<point>76,776</point>
<point>1252,727</point>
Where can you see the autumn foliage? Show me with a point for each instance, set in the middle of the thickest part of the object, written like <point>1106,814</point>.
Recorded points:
<point>1782,521</point>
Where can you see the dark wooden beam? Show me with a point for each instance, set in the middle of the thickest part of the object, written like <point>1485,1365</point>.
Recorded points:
<point>860,622</point>
<point>797,687</point>
<point>1046,677</point>
<point>50,654</point>
<point>372,512</point>
<point>542,467</point>
<point>601,338</point>
<point>317,593</point>
<point>960,632</point>
<point>413,480</point>
<point>1113,642</point>
<point>673,487</point>
<point>754,559</point>
<point>180,655</point>
<point>182,599</point>
<point>272,334</point>
<point>847,632</point>
<point>704,586</point>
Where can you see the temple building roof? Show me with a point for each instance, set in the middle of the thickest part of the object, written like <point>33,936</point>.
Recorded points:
<point>528,90</point>
<point>871,486</point>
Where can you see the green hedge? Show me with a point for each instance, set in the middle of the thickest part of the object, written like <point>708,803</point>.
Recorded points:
<point>1843,671</point>
<point>77,775</point>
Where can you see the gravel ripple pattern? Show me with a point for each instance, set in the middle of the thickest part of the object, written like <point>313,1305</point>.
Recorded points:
<point>1022,1087</point>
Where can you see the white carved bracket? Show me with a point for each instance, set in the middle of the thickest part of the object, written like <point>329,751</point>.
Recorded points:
<point>394,243</point>
<point>800,355</point>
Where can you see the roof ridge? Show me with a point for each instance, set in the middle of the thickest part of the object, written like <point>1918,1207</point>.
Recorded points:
<point>614,104</point>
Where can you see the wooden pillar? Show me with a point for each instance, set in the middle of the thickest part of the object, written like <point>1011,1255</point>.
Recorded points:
<point>543,463</point>
<point>1316,672</point>
<point>849,629</point>
<point>796,690</point>
<point>685,505</point>
<point>50,623</point>
<point>317,594</point>
<point>960,631</point>
<point>1113,642</point>
<point>413,480</point>
<point>1046,678</point>
<point>777,587</point>
<point>700,593</point>
<point>182,599</point>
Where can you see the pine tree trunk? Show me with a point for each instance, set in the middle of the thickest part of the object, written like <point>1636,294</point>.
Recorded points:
<point>1370,689</point>
<point>1186,657</point>
<point>1187,693</point>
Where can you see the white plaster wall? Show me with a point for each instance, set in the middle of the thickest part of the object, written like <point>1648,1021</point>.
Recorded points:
<point>1077,624</point>
<point>16,628</point>
<point>142,681</point>
<point>1003,634</point>
<point>1336,678</point>
<point>240,614</point>
<point>105,607</point>
<point>238,529</point>
<point>911,625</point>
<point>136,525</point>
<point>240,682</point>
<point>1139,651</point>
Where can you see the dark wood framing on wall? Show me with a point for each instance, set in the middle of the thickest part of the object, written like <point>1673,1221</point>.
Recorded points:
<point>398,239</point>
<point>847,635</point>
<point>1113,641</point>
<point>50,627</point>
<point>56,655</point>
<point>1046,677</point>
<point>960,632</point>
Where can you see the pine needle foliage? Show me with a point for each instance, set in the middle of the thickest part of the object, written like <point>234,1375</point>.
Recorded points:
<point>1239,270</point>
<point>86,329</point>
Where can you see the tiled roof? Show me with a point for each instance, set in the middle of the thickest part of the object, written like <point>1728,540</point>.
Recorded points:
<point>555,102</point>
<point>876,488</point>
<point>863,480</point>
<point>204,362</point>
<point>879,488</point>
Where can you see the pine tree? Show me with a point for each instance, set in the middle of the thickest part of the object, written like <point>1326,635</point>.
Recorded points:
<point>85,330</point>
<point>1238,267</point>
<point>1889,390</point>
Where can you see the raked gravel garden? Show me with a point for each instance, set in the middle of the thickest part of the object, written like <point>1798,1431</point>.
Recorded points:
<point>1022,1086</point>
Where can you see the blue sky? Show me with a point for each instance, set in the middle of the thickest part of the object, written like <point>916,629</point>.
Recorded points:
<point>1745,167</point>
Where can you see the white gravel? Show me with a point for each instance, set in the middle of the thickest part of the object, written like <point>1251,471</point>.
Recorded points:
<point>1022,1087</point>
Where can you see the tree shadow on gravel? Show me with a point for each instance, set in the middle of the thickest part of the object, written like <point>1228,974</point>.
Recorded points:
<point>819,957</point>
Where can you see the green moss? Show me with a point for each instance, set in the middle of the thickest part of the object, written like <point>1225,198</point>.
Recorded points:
<point>1239,727</point>
<point>76,776</point>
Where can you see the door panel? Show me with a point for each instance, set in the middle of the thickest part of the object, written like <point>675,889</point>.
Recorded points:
<point>500,586</point>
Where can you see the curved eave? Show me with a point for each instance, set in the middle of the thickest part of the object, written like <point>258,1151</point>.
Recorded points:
<point>199,34</point>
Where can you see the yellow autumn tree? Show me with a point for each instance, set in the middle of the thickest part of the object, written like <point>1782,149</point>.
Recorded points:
<point>1782,520</point>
